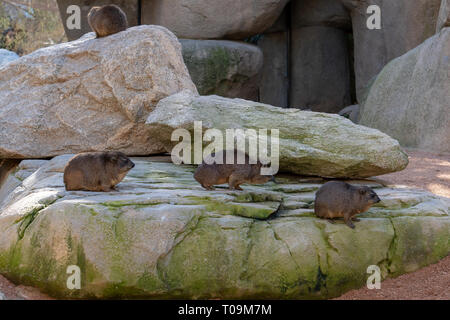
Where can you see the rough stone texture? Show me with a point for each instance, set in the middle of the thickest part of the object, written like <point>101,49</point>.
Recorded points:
<point>444,16</point>
<point>351,112</point>
<point>7,56</point>
<point>327,13</point>
<point>405,25</point>
<point>274,85</point>
<point>130,7</point>
<point>90,94</point>
<point>310,143</point>
<point>162,236</point>
<point>410,97</point>
<point>320,71</point>
<point>218,19</point>
<point>226,68</point>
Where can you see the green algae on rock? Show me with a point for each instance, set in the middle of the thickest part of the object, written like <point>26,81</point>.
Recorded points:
<point>162,236</point>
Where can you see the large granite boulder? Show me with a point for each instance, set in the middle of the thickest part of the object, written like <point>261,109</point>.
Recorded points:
<point>90,94</point>
<point>218,19</point>
<point>227,68</point>
<point>410,98</point>
<point>7,56</point>
<point>162,236</point>
<point>310,143</point>
<point>444,16</point>
<point>404,25</point>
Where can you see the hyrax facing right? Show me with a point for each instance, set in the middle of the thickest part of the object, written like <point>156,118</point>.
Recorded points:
<point>235,174</point>
<point>96,171</point>
<point>107,20</point>
<point>336,199</point>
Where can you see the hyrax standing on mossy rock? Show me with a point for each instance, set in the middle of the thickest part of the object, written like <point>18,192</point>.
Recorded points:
<point>107,20</point>
<point>96,171</point>
<point>337,199</point>
<point>235,174</point>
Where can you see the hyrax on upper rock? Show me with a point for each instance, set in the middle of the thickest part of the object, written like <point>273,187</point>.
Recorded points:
<point>96,171</point>
<point>107,20</point>
<point>337,199</point>
<point>234,174</point>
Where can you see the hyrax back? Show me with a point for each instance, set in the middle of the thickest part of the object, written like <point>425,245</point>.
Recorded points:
<point>336,199</point>
<point>96,171</point>
<point>107,20</point>
<point>234,174</point>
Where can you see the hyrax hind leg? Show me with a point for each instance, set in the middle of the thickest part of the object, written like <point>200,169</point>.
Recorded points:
<point>234,182</point>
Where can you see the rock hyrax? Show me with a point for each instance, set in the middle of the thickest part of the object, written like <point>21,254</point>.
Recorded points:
<point>107,20</point>
<point>96,171</point>
<point>337,199</point>
<point>235,174</point>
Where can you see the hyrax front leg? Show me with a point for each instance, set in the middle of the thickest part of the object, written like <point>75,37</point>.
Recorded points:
<point>348,220</point>
<point>210,188</point>
<point>234,183</point>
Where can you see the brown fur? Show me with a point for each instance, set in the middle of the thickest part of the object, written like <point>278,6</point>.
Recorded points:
<point>235,174</point>
<point>337,199</point>
<point>107,20</point>
<point>96,171</point>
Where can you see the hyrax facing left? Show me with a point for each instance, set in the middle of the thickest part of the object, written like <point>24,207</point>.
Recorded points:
<point>235,174</point>
<point>336,199</point>
<point>96,171</point>
<point>107,20</point>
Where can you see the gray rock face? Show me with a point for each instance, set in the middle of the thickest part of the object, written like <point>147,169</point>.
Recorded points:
<point>410,98</point>
<point>320,71</point>
<point>405,25</point>
<point>218,19</point>
<point>320,67</point>
<point>325,13</point>
<point>444,15</point>
<point>90,94</point>
<point>162,236</point>
<point>274,85</point>
<point>226,68</point>
<point>130,7</point>
<point>7,56</point>
<point>310,143</point>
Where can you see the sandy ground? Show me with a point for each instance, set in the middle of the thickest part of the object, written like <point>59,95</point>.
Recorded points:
<point>425,171</point>
<point>429,283</point>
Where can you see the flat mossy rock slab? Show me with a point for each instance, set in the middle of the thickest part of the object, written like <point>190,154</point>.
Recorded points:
<point>310,143</point>
<point>162,236</point>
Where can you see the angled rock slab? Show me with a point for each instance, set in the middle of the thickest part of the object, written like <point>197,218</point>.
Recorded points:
<point>89,94</point>
<point>162,236</point>
<point>410,98</point>
<point>444,16</point>
<point>310,143</point>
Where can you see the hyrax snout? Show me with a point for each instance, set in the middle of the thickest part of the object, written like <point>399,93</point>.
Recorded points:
<point>336,199</point>
<point>234,174</point>
<point>107,20</point>
<point>96,171</point>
